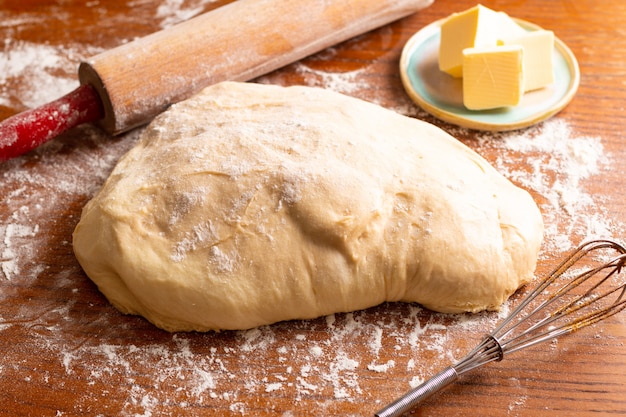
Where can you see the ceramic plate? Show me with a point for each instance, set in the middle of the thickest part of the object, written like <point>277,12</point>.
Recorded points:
<point>442,95</point>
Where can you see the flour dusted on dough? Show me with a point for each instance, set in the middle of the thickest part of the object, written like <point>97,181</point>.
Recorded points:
<point>250,204</point>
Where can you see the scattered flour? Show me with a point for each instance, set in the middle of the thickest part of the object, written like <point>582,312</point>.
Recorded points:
<point>381,367</point>
<point>39,63</point>
<point>341,82</point>
<point>557,164</point>
<point>416,382</point>
<point>171,12</point>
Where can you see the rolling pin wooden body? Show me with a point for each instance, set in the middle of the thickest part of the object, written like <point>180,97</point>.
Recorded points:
<point>239,41</point>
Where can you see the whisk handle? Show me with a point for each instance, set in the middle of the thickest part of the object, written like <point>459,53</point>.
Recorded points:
<point>420,393</point>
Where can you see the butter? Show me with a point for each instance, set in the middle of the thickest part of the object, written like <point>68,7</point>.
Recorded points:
<point>538,63</point>
<point>472,28</point>
<point>508,28</point>
<point>498,59</point>
<point>493,76</point>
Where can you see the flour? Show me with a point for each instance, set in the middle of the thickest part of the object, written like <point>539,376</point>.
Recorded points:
<point>381,367</point>
<point>14,234</point>
<point>306,368</point>
<point>171,12</point>
<point>341,82</point>
<point>557,163</point>
<point>40,64</point>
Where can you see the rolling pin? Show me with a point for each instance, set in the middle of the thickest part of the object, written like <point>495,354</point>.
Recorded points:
<point>126,87</point>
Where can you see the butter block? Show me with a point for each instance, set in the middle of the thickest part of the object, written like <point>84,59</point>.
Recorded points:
<point>538,57</point>
<point>508,28</point>
<point>476,27</point>
<point>493,77</point>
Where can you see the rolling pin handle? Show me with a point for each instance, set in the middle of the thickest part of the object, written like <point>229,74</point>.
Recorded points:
<point>25,131</point>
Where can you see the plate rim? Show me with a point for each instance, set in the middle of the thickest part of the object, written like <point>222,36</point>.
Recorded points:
<point>462,121</point>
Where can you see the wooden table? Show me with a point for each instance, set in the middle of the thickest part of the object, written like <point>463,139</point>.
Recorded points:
<point>67,352</point>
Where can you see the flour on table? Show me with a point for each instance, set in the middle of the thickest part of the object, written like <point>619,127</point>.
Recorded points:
<point>38,63</point>
<point>171,12</point>
<point>557,164</point>
<point>341,82</point>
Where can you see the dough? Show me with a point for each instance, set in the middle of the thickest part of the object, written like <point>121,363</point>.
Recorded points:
<point>250,204</point>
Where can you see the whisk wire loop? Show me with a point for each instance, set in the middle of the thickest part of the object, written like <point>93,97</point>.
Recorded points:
<point>576,310</point>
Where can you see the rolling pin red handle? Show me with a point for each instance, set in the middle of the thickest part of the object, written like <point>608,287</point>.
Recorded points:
<point>25,131</point>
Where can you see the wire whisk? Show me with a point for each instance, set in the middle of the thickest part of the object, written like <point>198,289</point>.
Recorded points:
<point>585,288</point>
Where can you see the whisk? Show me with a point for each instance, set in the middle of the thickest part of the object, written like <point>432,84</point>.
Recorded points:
<point>584,289</point>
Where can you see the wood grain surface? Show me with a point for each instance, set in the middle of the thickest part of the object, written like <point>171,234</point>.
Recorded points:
<point>67,352</point>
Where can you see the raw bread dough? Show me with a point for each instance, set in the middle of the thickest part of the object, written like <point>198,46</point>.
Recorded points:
<point>251,204</point>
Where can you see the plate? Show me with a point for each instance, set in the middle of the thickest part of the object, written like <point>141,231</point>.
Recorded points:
<point>441,94</point>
